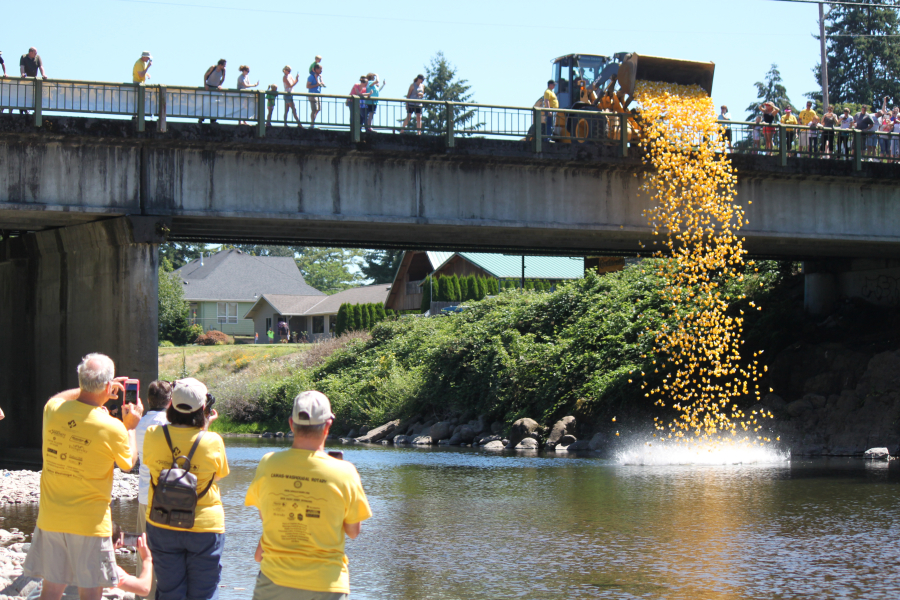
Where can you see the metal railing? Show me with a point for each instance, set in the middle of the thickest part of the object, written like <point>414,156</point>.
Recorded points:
<point>833,143</point>
<point>539,127</point>
<point>262,109</point>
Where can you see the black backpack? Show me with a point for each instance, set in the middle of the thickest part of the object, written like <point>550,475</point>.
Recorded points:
<point>175,492</point>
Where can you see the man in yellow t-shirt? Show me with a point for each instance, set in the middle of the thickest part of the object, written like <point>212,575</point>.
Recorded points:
<point>141,67</point>
<point>307,500</point>
<point>550,101</point>
<point>82,444</point>
<point>806,117</point>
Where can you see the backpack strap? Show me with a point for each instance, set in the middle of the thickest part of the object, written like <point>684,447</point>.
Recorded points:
<point>191,454</point>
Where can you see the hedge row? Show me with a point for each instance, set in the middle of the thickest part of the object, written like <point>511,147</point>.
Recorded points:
<point>360,317</point>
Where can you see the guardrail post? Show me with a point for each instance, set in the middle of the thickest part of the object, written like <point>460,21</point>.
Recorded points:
<point>782,144</point>
<point>260,113</point>
<point>141,107</point>
<point>162,109</point>
<point>448,112</point>
<point>38,94</point>
<point>355,119</point>
<point>538,131</point>
<point>857,150</point>
<point>623,134</point>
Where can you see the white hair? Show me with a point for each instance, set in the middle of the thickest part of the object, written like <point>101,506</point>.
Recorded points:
<point>94,372</point>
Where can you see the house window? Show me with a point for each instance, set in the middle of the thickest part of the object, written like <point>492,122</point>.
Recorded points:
<point>318,325</point>
<point>227,312</point>
<point>268,323</point>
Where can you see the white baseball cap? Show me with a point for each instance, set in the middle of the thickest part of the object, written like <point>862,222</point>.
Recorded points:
<point>188,395</point>
<point>146,54</point>
<point>315,405</point>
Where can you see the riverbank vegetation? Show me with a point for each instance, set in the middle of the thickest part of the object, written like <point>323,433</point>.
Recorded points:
<point>580,349</point>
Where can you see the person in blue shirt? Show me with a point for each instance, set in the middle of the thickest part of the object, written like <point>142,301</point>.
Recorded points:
<point>372,91</point>
<point>314,85</point>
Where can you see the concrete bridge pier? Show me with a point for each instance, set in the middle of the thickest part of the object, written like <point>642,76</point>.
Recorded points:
<point>64,293</point>
<point>827,282</point>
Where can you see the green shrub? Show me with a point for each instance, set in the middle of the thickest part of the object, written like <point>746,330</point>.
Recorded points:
<point>340,325</point>
<point>166,344</point>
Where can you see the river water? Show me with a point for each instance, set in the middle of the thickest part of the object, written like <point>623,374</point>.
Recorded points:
<point>458,523</point>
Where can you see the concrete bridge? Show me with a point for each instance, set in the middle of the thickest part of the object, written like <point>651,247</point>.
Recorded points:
<point>94,197</point>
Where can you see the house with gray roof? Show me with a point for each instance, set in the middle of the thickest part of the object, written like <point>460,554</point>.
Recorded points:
<point>314,316</point>
<point>222,287</point>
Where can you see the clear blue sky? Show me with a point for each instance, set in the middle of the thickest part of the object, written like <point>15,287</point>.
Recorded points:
<point>502,47</point>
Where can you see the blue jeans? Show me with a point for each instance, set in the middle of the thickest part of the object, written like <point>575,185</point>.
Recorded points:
<point>551,117</point>
<point>187,564</point>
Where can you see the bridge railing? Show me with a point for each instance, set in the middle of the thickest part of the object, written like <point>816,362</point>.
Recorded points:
<point>262,109</point>
<point>833,143</point>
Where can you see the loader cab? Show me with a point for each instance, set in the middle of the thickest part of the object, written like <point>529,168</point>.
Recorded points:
<point>567,69</point>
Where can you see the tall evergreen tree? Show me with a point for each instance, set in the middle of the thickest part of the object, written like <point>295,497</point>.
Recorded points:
<point>370,316</point>
<point>771,89</point>
<point>863,54</point>
<point>455,290</point>
<point>329,270</point>
<point>471,288</point>
<point>442,287</point>
<point>441,84</point>
<point>340,325</point>
<point>381,265</point>
<point>380,314</point>
<point>352,318</point>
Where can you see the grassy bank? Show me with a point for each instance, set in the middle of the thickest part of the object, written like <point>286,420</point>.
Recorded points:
<point>579,350</point>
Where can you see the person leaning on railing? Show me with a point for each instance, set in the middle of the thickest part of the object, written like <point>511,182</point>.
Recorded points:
<point>789,119</point>
<point>31,63</point>
<point>829,120</point>
<point>847,123</point>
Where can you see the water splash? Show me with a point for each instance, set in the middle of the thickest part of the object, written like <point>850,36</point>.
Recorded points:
<point>712,452</point>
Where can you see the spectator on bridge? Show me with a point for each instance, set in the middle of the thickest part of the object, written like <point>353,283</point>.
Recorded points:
<point>812,146</point>
<point>82,443</point>
<point>789,119</point>
<point>865,123</point>
<point>31,63</point>
<point>213,79</point>
<point>829,121</point>
<point>895,139</point>
<point>317,61</point>
<point>139,73</point>
<point>243,83</point>
<point>550,101</point>
<point>756,131</point>
<point>416,92</point>
<point>2,65</point>
<point>271,96</point>
<point>884,139</point>
<point>372,91</point>
<point>724,117</point>
<point>314,85</point>
<point>215,76</point>
<point>847,123</point>
<point>359,90</point>
<point>769,117</point>
<point>289,82</point>
<point>805,118</point>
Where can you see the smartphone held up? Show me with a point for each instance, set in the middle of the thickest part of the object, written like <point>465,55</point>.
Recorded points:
<point>130,396</point>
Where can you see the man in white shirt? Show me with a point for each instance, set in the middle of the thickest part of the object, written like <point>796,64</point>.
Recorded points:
<point>726,116</point>
<point>159,397</point>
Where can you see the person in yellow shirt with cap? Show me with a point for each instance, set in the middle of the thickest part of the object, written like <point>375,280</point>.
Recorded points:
<point>308,502</point>
<point>806,117</point>
<point>82,443</point>
<point>140,71</point>
<point>790,134</point>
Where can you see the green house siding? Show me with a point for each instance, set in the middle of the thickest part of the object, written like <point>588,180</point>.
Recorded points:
<point>207,314</point>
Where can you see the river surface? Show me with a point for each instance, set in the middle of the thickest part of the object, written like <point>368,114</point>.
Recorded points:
<point>458,523</point>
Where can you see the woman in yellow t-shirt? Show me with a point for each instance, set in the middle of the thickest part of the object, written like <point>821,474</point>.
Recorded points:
<point>187,562</point>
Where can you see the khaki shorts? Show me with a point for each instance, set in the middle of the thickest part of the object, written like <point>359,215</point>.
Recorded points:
<point>88,562</point>
<point>266,589</point>
<point>315,104</point>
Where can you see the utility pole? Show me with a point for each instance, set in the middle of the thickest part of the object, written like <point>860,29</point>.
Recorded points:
<point>824,72</point>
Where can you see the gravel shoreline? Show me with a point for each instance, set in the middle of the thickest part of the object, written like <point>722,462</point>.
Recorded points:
<point>23,487</point>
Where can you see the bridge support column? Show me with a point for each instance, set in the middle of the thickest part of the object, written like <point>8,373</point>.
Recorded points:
<point>65,293</point>
<point>829,281</point>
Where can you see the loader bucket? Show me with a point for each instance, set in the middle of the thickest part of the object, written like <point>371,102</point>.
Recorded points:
<point>636,67</point>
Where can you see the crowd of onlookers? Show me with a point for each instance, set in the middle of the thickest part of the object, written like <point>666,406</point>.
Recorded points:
<point>830,135</point>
